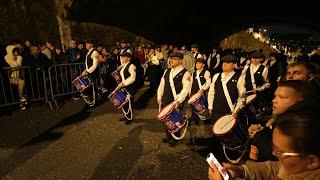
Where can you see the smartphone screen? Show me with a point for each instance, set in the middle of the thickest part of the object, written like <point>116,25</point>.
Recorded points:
<point>213,161</point>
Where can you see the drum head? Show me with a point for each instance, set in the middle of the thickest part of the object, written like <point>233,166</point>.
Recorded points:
<point>224,125</point>
<point>165,111</point>
<point>194,97</point>
<point>250,98</point>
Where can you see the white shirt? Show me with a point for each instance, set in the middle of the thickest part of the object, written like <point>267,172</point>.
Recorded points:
<point>242,59</point>
<point>132,71</point>
<point>240,86</point>
<point>206,85</point>
<point>95,63</point>
<point>253,70</point>
<point>186,82</point>
<point>199,55</point>
<point>271,63</point>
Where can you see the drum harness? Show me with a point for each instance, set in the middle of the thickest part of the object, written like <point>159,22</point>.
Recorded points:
<point>184,131</point>
<point>235,161</point>
<point>129,112</point>
<point>93,102</point>
<point>173,89</point>
<point>200,87</point>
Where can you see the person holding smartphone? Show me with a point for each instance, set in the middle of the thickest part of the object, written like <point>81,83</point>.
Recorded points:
<point>295,144</point>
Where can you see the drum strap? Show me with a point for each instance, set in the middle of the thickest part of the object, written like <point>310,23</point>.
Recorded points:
<point>198,79</point>
<point>122,68</point>
<point>234,161</point>
<point>226,93</point>
<point>173,89</point>
<point>183,133</point>
<point>128,114</point>
<point>252,77</point>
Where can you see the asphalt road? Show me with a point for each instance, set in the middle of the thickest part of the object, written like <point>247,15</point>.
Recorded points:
<point>73,142</point>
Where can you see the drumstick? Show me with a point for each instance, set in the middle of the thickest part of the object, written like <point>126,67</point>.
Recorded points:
<point>159,107</point>
<point>249,91</point>
<point>227,123</point>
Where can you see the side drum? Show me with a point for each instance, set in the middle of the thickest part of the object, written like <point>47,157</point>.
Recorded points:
<point>231,132</point>
<point>172,118</point>
<point>82,83</point>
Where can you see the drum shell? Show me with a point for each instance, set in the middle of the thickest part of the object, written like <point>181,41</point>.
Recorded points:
<point>118,98</point>
<point>235,137</point>
<point>174,120</point>
<point>255,111</point>
<point>199,105</point>
<point>82,83</point>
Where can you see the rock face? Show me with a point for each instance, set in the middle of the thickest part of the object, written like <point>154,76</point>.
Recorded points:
<point>246,42</point>
<point>48,20</point>
<point>107,35</point>
<point>34,20</point>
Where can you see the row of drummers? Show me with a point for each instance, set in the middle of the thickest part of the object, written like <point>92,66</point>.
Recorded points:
<point>235,99</point>
<point>230,92</point>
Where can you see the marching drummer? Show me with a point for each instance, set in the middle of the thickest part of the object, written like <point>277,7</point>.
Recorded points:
<point>174,88</point>
<point>91,70</point>
<point>256,77</point>
<point>226,89</point>
<point>128,77</point>
<point>200,82</point>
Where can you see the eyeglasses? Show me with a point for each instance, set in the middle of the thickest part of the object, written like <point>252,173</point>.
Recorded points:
<point>280,154</point>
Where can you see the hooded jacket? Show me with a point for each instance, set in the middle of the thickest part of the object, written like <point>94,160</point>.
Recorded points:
<point>13,61</point>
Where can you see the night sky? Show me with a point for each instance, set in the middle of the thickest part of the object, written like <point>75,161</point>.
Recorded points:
<point>203,21</point>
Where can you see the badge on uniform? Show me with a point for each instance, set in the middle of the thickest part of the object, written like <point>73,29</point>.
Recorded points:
<point>254,153</point>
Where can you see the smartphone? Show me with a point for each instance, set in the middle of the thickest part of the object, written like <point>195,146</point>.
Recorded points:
<point>213,161</point>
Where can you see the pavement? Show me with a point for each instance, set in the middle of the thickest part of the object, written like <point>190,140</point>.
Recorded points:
<point>74,142</point>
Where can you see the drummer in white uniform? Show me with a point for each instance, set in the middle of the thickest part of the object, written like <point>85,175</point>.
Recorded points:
<point>226,89</point>
<point>174,88</point>
<point>200,83</point>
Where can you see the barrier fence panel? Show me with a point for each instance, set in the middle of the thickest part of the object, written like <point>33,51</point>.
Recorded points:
<point>61,77</point>
<point>23,83</point>
<point>40,84</point>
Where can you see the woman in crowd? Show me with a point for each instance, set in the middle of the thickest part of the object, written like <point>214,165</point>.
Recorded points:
<point>295,144</point>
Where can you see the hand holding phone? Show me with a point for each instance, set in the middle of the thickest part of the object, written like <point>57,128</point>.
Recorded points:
<point>212,160</point>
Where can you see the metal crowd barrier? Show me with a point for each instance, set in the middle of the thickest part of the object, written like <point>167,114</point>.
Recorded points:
<point>32,81</point>
<point>61,77</point>
<point>40,84</point>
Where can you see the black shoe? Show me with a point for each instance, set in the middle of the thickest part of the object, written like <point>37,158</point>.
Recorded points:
<point>128,122</point>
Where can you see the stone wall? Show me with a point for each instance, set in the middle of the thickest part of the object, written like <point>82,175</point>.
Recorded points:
<point>37,20</point>
<point>246,42</point>
<point>28,19</point>
<point>107,35</point>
